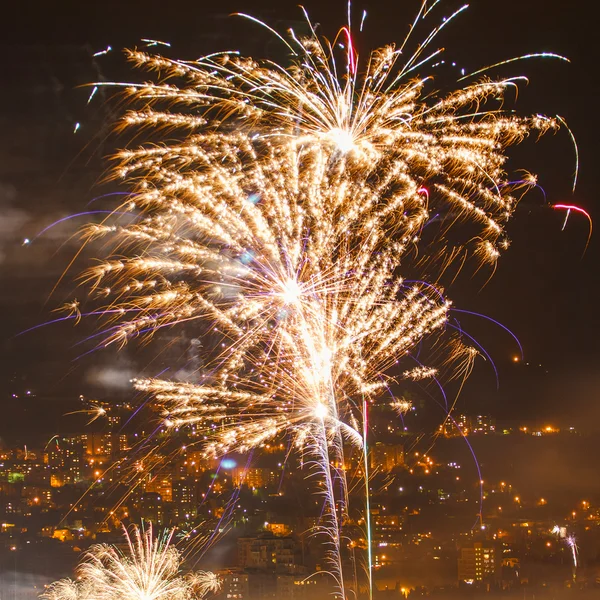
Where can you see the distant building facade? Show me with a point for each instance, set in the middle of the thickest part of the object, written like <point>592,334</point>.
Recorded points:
<point>269,552</point>
<point>386,457</point>
<point>468,425</point>
<point>478,562</point>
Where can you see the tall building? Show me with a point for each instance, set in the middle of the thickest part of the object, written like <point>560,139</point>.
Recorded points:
<point>151,508</point>
<point>162,485</point>
<point>77,457</point>
<point>386,528</point>
<point>483,424</point>
<point>195,462</point>
<point>234,585</point>
<point>478,562</point>
<point>271,553</point>
<point>184,499</point>
<point>103,444</point>
<point>385,457</point>
<point>64,457</point>
<point>460,425</point>
<point>259,585</point>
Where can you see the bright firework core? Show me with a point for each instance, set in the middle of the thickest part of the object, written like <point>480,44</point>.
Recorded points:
<point>291,291</point>
<point>342,139</point>
<point>321,411</point>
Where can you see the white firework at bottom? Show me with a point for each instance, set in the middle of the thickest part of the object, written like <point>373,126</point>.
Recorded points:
<point>150,569</point>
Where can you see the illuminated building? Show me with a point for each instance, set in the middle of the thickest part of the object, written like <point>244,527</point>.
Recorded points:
<point>483,424</point>
<point>184,499</point>
<point>113,421</point>
<point>195,462</point>
<point>477,562</point>
<point>64,458</point>
<point>270,553</point>
<point>35,495</point>
<point>468,425</point>
<point>63,534</point>
<point>151,508</point>
<point>256,585</point>
<point>162,486</point>
<point>274,448</point>
<point>386,528</point>
<point>103,444</point>
<point>278,528</point>
<point>234,585</point>
<point>385,457</point>
<point>255,477</point>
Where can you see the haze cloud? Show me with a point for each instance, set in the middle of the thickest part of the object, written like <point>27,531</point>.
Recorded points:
<point>111,378</point>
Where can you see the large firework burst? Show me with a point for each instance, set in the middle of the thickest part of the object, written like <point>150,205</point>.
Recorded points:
<point>280,217</point>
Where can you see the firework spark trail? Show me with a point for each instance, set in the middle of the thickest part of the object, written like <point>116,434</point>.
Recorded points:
<point>572,543</point>
<point>581,211</point>
<point>486,354</point>
<point>448,417</point>
<point>365,432</point>
<point>277,223</point>
<point>149,569</point>
<point>95,411</point>
<point>476,314</point>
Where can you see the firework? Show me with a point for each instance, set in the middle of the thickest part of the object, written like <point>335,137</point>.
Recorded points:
<point>278,223</point>
<point>571,207</point>
<point>401,406</point>
<point>95,410</point>
<point>149,570</point>
<point>571,541</point>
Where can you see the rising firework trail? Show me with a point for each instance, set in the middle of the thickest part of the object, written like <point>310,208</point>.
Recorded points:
<point>572,543</point>
<point>281,219</point>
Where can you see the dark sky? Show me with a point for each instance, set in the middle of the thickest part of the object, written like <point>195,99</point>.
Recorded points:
<point>543,289</point>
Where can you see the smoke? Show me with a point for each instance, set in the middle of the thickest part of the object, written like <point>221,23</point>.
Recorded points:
<point>16,585</point>
<point>12,219</point>
<point>179,359</point>
<point>112,378</point>
<point>22,252</point>
<point>190,370</point>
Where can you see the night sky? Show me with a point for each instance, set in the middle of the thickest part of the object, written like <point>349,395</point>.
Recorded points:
<point>543,289</point>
